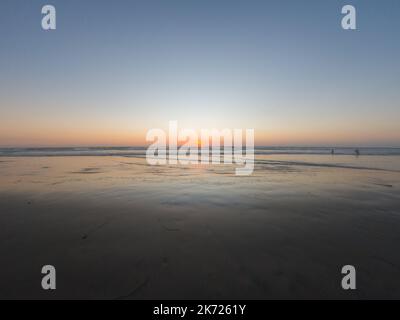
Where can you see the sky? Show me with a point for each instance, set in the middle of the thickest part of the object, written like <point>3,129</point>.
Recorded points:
<point>114,69</point>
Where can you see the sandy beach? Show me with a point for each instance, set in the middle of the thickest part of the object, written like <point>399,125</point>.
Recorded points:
<point>116,228</point>
<point>106,105</point>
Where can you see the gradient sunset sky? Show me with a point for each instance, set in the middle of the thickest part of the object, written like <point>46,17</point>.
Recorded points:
<point>114,69</point>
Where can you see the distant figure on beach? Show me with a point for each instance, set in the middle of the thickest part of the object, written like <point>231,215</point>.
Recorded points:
<point>357,152</point>
<point>332,152</point>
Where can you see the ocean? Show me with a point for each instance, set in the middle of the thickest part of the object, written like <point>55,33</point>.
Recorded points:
<point>141,151</point>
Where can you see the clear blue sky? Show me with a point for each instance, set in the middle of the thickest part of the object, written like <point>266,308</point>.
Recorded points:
<point>114,69</point>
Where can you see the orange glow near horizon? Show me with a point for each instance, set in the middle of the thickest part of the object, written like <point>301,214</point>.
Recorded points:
<point>26,131</point>
<point>61,136</point>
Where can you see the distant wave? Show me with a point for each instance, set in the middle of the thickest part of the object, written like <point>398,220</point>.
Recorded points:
<point>369,151</point>
<point>141,151</point>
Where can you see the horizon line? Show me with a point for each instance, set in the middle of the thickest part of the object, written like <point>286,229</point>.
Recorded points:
<point>222,146</point>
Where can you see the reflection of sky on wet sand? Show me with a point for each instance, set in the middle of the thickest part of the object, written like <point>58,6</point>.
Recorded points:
<point>116,227</point>
<point>273,174</point>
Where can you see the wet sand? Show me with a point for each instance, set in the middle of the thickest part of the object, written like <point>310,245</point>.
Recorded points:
<point>116,228</point>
